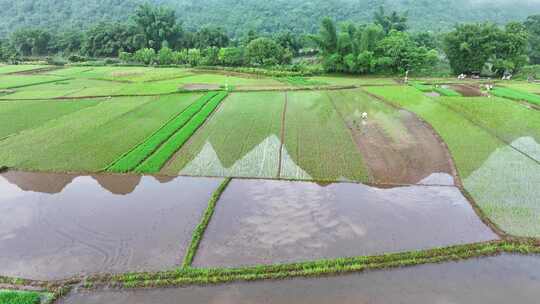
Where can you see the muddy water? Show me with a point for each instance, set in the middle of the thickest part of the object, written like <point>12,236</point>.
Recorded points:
<point>397,147</point>
<point>91,224</point>
<point>496,280</point>
<point>467,90</point>
<point>262,222</point>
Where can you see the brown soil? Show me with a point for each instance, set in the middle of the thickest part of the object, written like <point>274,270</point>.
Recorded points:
<point>467,90</point>
<point>410,159</point>
<point>201,86</point>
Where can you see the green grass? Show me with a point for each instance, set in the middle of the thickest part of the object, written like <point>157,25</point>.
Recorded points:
<point>317,143</point>
<point>502,181</point>
<point>68,88</point>
<point>422,87</point>
<point>19,81</point>
<point>506,119</point>
<point>516,95</point>
<point>302,81</point>
<point>133,158</point>
<point>92,138</point>
<point>347,80</point>
<point>533,88</point>
<point>19,297</point>
<point>446,92</point>
<point>19,116</point>
<point>242,139</point>
<point>157,160</point>
<point>201,227</point>
<point>6,69</point>
<point>196,276</point>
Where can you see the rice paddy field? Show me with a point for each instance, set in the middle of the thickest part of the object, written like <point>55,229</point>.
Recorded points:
<point>148,185</point>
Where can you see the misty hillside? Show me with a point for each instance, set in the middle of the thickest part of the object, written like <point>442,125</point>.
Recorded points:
<point>238,16</point>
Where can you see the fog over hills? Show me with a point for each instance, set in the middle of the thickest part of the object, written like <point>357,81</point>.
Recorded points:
<point>238,16</point>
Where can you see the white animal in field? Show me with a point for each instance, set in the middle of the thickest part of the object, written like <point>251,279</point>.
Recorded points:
<point>364,116</point>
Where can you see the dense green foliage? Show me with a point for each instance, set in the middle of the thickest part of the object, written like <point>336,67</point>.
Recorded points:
<point>239,16</point>
<point>471,46</point>
<point>19,297</point>
<point>533,28</point>
<point>379,47</point>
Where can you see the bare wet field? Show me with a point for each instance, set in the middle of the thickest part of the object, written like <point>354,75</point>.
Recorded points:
<point>501,279</point>
<point>263,222</point>
<point>467,90</point>
<point>56,226</point>
<point>398,147</point>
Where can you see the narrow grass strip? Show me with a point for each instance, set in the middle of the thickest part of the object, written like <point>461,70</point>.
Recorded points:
<point>421,87</point>
<point>19,297</point>
<point>196,276</point>
<point>129,161</point>
<point>157,160</point>
<point>201,228</point>
<point>447,92</point>
<point>516,95</point>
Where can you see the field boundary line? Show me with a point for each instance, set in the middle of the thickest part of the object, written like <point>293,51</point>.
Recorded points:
<point>190,140</point>
<point>350,131</point>
<point>140,167</point>
<point>156,132</point>
<point>199,231</point>
<point>457,177</point>
<point>37,83</point>
<point>282,134</point>
<point>467,118</point>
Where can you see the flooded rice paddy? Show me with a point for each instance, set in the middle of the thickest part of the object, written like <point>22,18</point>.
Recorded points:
<point>500,279</point>
<point>55,226</point>
<point>264,222</point>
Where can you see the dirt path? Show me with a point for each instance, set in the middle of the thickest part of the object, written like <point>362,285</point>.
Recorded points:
<point>417,156</point>
<point>467,90</point>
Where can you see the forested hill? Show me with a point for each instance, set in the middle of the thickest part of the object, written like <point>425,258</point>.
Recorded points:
<point>239,16</point>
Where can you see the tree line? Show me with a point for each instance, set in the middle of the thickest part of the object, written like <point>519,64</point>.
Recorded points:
<point>153,36</point>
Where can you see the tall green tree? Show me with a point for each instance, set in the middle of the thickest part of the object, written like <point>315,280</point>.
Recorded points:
<point>208,37</point>
<point>108,39</point>
<point>394,21</point>
<point>265,52</point>
<point>511,50</point>
<point>157,25</point>
<point>29,42</point>
<point>470,46</point>
<point>532,24</point>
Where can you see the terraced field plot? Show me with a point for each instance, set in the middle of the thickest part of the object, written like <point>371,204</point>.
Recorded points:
<point>241,139</point>
<point>501,279</point>
<point>92,138</point>
<point>317,143</point>
<point>17,117</point>
<point>66,88</point>
<point>264,222</point>
<point>7,69</point>
<point>397,147</point>
<point>84,228</point>
<point>17,81</point>
<point>502,180</point>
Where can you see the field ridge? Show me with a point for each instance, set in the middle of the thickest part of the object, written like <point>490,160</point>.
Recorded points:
<point>131,159</point>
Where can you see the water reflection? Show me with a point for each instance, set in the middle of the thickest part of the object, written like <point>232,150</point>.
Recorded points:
<point>51,183</point>
<point>64,225</point>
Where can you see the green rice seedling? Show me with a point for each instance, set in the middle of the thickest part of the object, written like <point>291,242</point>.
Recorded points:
<point>91,138</point>
<point>201,228</point>
<point>422,87</point>
<point>242,139</point>
<point>133,158</point>
<point>7,69</point>
<point>447,92</point>
<point>157,160</point>
<point>501,179</point>
<point>19,116</point>
<point>19,297</point>
<point>19,81</point>
<point>516,95</point>
<point>302,81</point>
